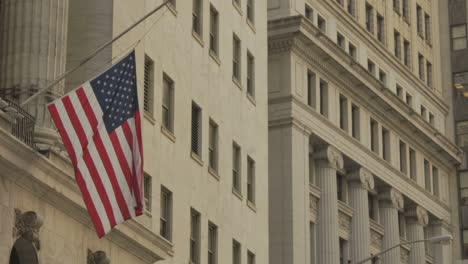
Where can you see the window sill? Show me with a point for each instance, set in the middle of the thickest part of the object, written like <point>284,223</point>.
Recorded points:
<point>168,133</point>
<point>237,194</point>
<point>198,38</point>
<point>172,9</point>
<point>237,82</point>
<point>251,206</point>
<point>215,57</point>
<point>196,158</point>
<point>213,173</point>
<point>251,99</point>
<point>149,117</point>
<point>251,25</point>
<point>237,6</point>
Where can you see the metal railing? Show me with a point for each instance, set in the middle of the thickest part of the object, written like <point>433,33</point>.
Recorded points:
<point>23,128</point>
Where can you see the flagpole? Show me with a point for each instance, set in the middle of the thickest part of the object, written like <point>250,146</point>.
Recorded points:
<point>90,56</point>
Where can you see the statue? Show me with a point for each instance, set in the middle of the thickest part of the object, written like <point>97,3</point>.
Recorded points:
<point>27,227</point>
<point>98,257</point>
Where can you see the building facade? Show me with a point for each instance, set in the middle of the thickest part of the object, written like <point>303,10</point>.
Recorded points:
<point>202,71</point>
<point>360,132</point>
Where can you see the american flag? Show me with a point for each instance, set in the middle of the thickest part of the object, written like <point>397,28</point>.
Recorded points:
<point>99,123</point>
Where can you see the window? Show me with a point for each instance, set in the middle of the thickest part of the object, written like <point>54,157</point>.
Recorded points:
<point>250,74</point>
<point>435,181</point>
<point>369,18</point>
<point>374,135</point>
<point>236,59</point>
<point>214,31</point>
<point>412,164</point>
<point>251,11</point>
<point>250,258</point>
<point>402,225</point>
<point>355,122</point>
<point>341,188</point>
<point>429,74</point>
<point>409,99</point>
<point>324,98</point>
<point>148,188</point>
<point>197,17</point>
<point>148,86</point>
<point>312,242</point>
<point>250,180</point>
<point>309,13</point>
<point>236,252</point>
<point>423,112</point>
<point>386,152</point>
<point>396,6</point>
<point>380,28</point>
<point>343,112</point>
<point>321,24</point>
<point>397,44</point>
<point>421,67</point>
<point>311,90</point>
<point>406,53</point>
<point>340,40</point>
<point>427,28</point>
<point>383,77</point>
<point>213,146</point>
<point>431,119</point>
<point>343,251</point>
<point>351,7</point>
<point>406,9</point>
<point>165,219</point>
<point>194,236</point>
<point>168,103</point>
<point>458,33</point>
<point>371,67</point>
<point>399,91</point>
<point>373,209</point>
<point>352,51</point>
<point>196,129</point>
<point>403,158</point>
<point>236,166</point>
<point>212,243</point>
<point>419,18</point>
<point>427,176</point>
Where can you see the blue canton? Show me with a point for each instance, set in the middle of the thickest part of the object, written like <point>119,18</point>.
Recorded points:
<point>116,92</point>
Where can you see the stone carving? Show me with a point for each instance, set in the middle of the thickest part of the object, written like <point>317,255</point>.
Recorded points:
<point>313,203</point>
<point>393,198</point>
<point>404,256</point>
<point>97,257</point>
<point>376,240</point>
<point>362,177</point>
<point>331,155</point>
<point>27,226</point>
<point>418,215</point>
<point>344,222</point>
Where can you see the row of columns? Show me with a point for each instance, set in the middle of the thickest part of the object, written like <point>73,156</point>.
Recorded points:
<point>327,161</point>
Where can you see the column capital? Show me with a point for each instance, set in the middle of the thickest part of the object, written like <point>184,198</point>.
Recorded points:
<point>330,155</point>
<point>392,197</point>
<point>361,177</point>
<point>417,215</point>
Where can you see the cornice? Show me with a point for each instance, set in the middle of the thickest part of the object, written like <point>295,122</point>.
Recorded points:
<point>55,186</point>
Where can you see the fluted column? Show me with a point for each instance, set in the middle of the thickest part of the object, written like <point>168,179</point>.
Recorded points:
<point>328,160</point>
<point>416,219</point>
<point>391,201</point>
<point>360,182</point>
<point>33,36</point>
<point>442,252</point>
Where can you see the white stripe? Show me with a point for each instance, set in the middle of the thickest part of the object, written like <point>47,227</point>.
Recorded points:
<point>97,160</point>
<point>137,157</point>
<point>128,155</point>
<point>120,176</point>
<point>82,166</point>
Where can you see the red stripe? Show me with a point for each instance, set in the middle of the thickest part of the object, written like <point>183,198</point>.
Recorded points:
<point>88,160</point>
<point>103,153</point>
<point>135,179</point>
<point>79,178</point>
<point>121,157</point>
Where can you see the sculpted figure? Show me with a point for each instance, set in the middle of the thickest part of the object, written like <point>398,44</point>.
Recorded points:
<point>27,227</point>
<point>98,257</point>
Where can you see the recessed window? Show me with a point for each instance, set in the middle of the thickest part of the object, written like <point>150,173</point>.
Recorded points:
<point>397,44</point>
<point>196,129</point>
<point>427,176</point>
<point>214,31</point>
<point>421,67</point>
<point>355,121</point>
<point>369,18</point>
<point>168,103</point>
<point>435,181</point>
<point>236,58</point>
<point>380,28</point>
<point>373,207</point>
<point>250,258</point>
<point>343,250</point>
<point>343,111</point>
<point>251,11</point>
<point>197,17</point>
<point>250,180</point>
<point>383,77</point>
<point>148,188</point>
<point>431,119</point>
<point>321,24</point>
<point>429,74</point>
<point>406,53</point>
<point>458,33</point>
<point>324,98</point>
<point>236,166</point>
<point>399,91</point>
<point>213,146</point>
<point>341,188</point>
<point>386,151</point>
<point>406,9</point>
<point>402,225</point>
<point>396,6</point>
<point>311,89</point>
<point>409,99</point>
<point>340,40</point>
<point>236,252</point>
<point>371,67</point>
<point>351,7</point>
<point>419,20</point>
<point>427,28</point>
<point>352,51</point>
<point>309,13</point>
<point>165,228</point>
<point>212,243</point>
<point>148,86</point>
<point>312,239</point>
<point>194,236</point>
<point>374,135</point>
<point>412,164</point>
<point>423,112</point>
<point>250,74</point>
<point>403,158</point>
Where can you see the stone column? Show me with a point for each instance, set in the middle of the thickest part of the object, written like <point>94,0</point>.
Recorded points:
<point>442,253</point>
<point>33,41</point>
<point>327,161</point>
<point>416,219</point>
<point>391,201</point>
<point>360,182</point>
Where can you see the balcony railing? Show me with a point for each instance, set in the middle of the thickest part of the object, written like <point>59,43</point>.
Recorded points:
<point>23,127</point>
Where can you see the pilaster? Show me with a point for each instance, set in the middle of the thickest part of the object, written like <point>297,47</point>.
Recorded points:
<point>391,201</point>
<point>416,219</point>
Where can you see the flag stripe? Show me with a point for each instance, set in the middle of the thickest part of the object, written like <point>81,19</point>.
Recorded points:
<point>87,159</point>
<point>137,163</point>
<point>87,186</point>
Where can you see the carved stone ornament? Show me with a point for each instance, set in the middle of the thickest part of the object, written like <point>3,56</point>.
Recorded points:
<point>331,155</point>
<point>362,177</point>
<point>97,257</point>
<point>417,215</point>
<point>393,198</point>
<point>27,226</point>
